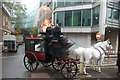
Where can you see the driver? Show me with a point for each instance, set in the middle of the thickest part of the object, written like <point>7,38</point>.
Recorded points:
<point>49,36</point>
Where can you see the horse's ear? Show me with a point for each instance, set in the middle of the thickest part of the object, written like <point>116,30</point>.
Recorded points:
<point>108,39</point>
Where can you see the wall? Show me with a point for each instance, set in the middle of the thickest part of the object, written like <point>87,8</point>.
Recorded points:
<point>80,40</point>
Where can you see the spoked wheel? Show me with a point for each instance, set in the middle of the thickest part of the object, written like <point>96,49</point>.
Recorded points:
<point>30,62</point>
<point>56,64</point>
<point>46,64</point>
<point>69,69</point>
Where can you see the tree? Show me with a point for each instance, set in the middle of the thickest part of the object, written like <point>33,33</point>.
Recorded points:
<point>34,30</point>
<point>17,13</point>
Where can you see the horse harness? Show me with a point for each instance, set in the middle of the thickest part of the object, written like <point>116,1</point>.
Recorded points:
<point>100,52</point>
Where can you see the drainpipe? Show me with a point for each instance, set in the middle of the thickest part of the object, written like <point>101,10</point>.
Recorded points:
<point>102,20</point>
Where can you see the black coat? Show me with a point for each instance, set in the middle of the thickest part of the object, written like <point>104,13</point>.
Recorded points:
<point>57,32</point>
<point>118,59</point>
<point>49,31</point>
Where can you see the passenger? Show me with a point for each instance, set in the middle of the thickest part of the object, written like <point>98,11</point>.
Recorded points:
<point>63,40</point>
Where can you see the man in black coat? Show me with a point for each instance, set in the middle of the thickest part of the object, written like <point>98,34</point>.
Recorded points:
<point>49,36</point>
<point>118,63</point>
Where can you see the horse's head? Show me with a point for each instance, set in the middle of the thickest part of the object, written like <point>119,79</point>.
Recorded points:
<point>108,44</point>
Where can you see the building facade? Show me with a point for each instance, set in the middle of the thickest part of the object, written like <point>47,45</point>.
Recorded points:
<point>5,23</point>
<point>82,19</point>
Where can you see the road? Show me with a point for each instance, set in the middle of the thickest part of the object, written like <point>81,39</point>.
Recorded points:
<point>13,67</point>
<point>12,64</point>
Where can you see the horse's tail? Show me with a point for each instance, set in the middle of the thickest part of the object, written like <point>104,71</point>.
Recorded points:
<point>80,53</point>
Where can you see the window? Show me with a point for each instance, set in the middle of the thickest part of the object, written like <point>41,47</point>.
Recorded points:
<point>77,2</point>
<point>59,18</point>
<point>68,2</point>
<point>60,3</point>
<point>68,18</point>
<point>87,1</point>
<point>77,18</point>
<point>116,14</point>
<point>86,18</point>
<point>109,13</point>
<point>96,12</point>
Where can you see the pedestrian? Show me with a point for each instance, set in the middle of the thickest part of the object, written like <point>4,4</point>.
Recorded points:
<point>118,63</point>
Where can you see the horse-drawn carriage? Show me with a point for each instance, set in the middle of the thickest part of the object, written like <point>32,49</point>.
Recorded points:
<point>58,57</point>
<point>36,52</point>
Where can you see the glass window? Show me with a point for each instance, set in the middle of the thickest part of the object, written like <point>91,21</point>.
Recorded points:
<point>59,18</point>
<point>116,14</point>
<point>87,1</point>
<point>55,5</point>
<point>86,18</point>
<point>96,12</point>
<point>60,3</point>
<point>68,18</point>
<point>95,0</point>
<point>77,2</point>
<point>69,2</point>
<point>77,18</point>
<point>109,13</point>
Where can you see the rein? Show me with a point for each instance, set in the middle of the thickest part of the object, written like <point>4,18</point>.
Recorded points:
<point>102,49</point>
<point>99,52</point>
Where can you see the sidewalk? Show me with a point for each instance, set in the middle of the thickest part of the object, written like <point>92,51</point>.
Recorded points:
<point>110,61</point>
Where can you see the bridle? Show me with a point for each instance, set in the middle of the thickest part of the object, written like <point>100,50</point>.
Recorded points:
<point>109,43</point>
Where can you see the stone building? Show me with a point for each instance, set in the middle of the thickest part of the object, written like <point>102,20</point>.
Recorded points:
<point>5,23</point>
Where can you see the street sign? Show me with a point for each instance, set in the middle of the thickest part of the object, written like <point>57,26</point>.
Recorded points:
<point>98,36</point>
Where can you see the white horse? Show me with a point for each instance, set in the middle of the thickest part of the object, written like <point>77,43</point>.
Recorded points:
<point>96,52</point>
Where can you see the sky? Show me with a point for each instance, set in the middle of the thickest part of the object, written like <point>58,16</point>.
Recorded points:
<point>32,10</point>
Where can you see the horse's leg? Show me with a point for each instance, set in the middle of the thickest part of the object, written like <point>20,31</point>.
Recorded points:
<point>99,66</point>
<point>94,65</point>
<point>84,69</point>
<point>100,62</point>
<point>85,64</point>
<point>91,64</point>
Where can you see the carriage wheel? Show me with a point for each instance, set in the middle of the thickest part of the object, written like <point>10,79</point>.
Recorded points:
<point>46,64</point>
<point>30,62</point>
<point>69,69</point>
<point>56,64</point>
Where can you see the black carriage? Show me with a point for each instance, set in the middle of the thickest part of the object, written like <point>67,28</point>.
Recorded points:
<point>35,52</point>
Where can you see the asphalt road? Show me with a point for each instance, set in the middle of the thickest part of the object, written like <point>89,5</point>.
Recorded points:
<point>12,64</point>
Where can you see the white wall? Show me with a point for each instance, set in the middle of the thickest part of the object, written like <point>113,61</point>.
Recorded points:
<point>80,40</point>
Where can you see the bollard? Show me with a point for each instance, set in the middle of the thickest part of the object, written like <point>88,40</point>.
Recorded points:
<point>81,65</point>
